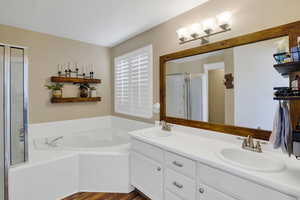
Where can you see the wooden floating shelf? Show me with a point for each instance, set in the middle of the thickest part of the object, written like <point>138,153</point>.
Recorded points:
<point>286,68</point>
<point>287,98</point>
<point>75,99</point>
<point>74,80</point>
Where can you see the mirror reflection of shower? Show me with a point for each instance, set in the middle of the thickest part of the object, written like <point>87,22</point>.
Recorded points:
<point>185,96</point>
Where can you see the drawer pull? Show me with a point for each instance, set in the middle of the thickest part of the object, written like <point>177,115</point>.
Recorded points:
<point>177,164</point>
<point>177,185</point>
<point>159,169</point>
<point>201,190</point>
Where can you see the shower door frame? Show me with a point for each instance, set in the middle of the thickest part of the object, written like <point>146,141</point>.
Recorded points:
<point>7,109</point>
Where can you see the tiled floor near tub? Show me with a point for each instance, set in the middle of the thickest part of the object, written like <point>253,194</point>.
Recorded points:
<point>105,196</point>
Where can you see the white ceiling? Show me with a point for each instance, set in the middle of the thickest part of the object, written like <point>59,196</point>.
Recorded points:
<point>102,22</point>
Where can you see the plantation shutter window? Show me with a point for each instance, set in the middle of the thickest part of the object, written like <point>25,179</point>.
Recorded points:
<point>133,83</point>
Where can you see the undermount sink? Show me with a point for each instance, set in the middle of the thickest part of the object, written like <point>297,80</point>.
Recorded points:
<point>156,133</point>
<point>251,160</point>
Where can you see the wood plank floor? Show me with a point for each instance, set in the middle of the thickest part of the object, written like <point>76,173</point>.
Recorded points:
<point>105,196</point>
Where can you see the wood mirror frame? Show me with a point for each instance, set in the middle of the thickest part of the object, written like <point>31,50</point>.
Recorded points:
<point>292,30</point>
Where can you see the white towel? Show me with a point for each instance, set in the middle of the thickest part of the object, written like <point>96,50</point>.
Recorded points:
<point>276,137</point>
<point>282,130</point>
<point>287,134</point>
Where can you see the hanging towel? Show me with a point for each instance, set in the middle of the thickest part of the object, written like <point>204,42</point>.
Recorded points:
<point>287,134</point>
<point>276,137</point>
<point>281,136</point>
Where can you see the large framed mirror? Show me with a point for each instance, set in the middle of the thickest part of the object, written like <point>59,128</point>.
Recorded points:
<point>226,86</point>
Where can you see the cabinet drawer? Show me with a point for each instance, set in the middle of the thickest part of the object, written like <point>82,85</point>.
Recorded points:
<point>180,185</point>
<point>237,187</point>
<point>181,164</point>
<point>170,196</point>
<point>148,150</point>
<point>208,193</point>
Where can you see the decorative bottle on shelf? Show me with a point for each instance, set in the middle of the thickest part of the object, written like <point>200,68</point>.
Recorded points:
<point>84,90</point>
<point>57,93</point>
<point>296,83</point>
<point>93,92</point>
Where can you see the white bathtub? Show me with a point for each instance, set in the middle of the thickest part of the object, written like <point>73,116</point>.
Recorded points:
<point>96,140</point>
<point>91,156</point>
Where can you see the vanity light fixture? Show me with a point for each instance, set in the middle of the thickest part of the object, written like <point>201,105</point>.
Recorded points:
<point>202,31</point>
<point>224,20</point>
<point>183,34</point>
<point>209,25</point>
<point>195,30</point>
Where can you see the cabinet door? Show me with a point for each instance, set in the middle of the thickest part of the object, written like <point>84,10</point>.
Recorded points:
<point>208,193</point>
<point>147,176</point>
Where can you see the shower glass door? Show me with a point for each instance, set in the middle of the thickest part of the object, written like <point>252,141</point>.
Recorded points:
<point>13,112</point>
<point>2,155</point>
<point>17,105</point>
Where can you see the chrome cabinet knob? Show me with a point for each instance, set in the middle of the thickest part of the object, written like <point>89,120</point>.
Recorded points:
<point>177,164</point>
<point>177,185</point>
<point>201,190</point>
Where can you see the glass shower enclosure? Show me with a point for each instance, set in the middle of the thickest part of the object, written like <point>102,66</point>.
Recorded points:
<point>184,96</point>
<point>13,111</point>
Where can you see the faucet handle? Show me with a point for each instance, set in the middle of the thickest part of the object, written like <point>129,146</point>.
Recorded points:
<point>249,138</point>
<point>245,143</point>
<point>258,147</point>
<point>162,122</point>
<point>250,141</point>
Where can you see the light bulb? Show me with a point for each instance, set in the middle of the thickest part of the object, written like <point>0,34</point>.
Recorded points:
<point>224,20</point>
<point>183,34</point>
<point>195,30</point>
<point>209,25</point>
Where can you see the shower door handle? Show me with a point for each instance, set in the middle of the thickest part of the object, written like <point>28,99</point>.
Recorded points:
<point>22,134</point>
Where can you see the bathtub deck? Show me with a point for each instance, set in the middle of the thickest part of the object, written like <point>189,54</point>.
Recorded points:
<point>105,196</point>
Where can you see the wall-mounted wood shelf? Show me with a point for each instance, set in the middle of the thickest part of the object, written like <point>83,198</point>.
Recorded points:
<point>75,99</point>
<point>287,68</point>
<point>286,98</point>
<point>58,79</point>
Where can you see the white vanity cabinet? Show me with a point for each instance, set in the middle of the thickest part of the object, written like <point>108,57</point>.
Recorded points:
<point>237,187</point>
<point>180,185</point>
<point>164,175</point>
<point>147,176</point>
<point>147,169</point>
<point>205,192</point>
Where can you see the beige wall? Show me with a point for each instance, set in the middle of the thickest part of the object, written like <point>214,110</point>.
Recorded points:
<point>195,66</point>
<point>216,96</point>
<point>45,52</point>
<point>248,16</point>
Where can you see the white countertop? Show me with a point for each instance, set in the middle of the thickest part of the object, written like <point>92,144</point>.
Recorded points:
<point>203,146</point>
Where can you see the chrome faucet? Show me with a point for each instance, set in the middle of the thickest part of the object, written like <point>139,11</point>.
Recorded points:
<point>53,142</point>
<point>165,126</point>
<point>248,144</point>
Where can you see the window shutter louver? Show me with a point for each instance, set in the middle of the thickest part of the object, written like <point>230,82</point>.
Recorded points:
<point>133,83</point>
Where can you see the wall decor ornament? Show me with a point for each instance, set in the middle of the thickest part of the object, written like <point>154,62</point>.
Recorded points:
<point>82,76</point>
<point>87,71</point>
<point>228,82</point>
